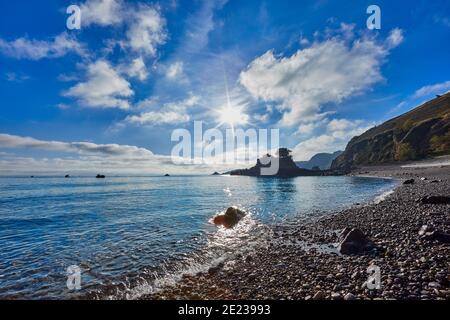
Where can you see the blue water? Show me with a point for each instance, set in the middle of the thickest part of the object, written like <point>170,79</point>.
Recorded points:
<point>129,233</point>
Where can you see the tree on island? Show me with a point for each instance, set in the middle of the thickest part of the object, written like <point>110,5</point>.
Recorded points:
<point>286,166</point>
<point>284,153</point>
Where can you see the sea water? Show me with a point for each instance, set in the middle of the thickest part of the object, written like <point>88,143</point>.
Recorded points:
<point>131,235</point>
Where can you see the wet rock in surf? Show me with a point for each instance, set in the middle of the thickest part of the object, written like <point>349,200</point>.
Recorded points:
<point>354,241</point>
<point>231,218</point>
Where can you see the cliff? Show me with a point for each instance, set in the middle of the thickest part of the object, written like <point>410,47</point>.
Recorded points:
<point>420,133</point>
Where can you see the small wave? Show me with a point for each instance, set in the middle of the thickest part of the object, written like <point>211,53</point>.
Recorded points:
<point>222,248</point>
<point>383,196</point>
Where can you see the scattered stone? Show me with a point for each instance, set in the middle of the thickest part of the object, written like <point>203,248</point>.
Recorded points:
<point>335,296</point>
<point>295,261</point>
<point>216,269</point>
<point>435,200</point>
<point>430,234</point>
<point>410,181</point>
<point>320,295</point>
<point>344,233</point>
<point>349,296</point>
<point>425,229</point>
<point>438,236</point>
<point>434,285</point>
<point>355,242</point>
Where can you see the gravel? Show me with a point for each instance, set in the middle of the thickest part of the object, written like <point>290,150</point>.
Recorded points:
<point>410,266</point>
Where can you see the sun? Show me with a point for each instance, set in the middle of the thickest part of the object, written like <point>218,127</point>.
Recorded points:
<point>232,115</point>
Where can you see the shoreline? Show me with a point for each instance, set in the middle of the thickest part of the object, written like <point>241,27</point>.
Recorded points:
<point>302,261</point>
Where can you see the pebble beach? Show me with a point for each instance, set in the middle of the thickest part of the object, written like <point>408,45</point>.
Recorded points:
<point>302,261</point>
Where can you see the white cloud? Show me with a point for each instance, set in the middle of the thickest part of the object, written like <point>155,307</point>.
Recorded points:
<point>308,128</point>
<point>200,25</point>
<point>395,38</point>
<point>170,113</point>
<point>445,21</point>
<point>12,141</point>
<point>103,88</point>
<point>438,88</point>
<point>23,48</point>
<point>82,157</point>
<point>145,26</point>
<point>175,70</point>
<point>156,117</point>
<point>90,158</point>
<point>63,106</point>
<point>419,97</point>
<point>67,77</point>
<point>326,72</point>
<point>337,133</point>
<point>336,125</point>
<point>15,77</point>
<point>102,12</point>
<point>146,31</point>
<point>136,69</point>
<point>262,118</point>
<point>304,41</point>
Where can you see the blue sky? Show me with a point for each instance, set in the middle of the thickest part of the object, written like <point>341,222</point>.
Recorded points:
<point>108,96</point>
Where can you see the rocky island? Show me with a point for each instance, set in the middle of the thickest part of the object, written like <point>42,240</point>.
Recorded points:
<point>287,167</point>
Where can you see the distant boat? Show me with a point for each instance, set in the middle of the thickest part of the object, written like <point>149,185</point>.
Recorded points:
<point>67,176</point>
<point>100,176</point>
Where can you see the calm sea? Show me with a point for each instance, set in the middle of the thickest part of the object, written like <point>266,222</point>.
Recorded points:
<point>131,235</point>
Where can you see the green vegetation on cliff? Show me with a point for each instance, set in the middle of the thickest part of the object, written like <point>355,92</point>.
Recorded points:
<point>420,133</point>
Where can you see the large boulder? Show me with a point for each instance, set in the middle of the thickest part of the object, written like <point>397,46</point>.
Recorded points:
<point>430,234</point>
<point>231,218</point>
<point>354,241</point>
<point>435,200</point>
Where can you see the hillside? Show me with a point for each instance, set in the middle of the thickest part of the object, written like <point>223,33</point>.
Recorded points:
<point>323,161</point>
<point>417,134</point>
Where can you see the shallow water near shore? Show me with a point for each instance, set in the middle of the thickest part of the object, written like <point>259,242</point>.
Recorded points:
<point>131,235</point>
